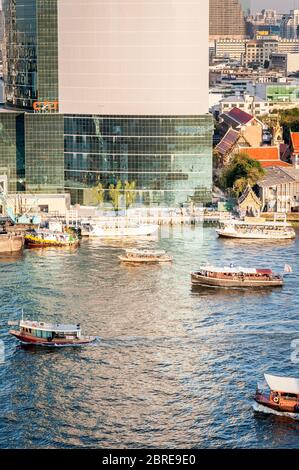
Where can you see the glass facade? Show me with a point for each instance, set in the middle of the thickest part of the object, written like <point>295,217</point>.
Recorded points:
<point>12,152</point>
<point>283,93</point>
<point>44,153</point>
<point>168,158</point>
<point>30,52</point>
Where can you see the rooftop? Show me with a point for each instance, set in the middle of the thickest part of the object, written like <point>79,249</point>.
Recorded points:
<point>228,141</point>
<point>277,175</point>
<point>267,156</point>
<point>295,141</point>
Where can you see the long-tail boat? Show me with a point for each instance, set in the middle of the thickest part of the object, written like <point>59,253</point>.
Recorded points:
<point>231,276</point>
<point>282,394</point>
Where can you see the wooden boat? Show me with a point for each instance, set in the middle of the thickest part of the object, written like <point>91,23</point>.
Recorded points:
<point>43,238</point>
<point>145,256</point>
<point>235,277</point>
<point>258,229</point>
<point>283,395</point>
<point>50,334</point>
<point>11,243</point>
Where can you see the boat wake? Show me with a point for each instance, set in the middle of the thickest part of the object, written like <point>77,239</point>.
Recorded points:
<point>264,409</point>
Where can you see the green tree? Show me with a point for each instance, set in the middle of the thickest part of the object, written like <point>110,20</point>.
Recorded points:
<point>130,193</point>
<point>98,193</point>
<point>115,192</point>
<point>241,171</point>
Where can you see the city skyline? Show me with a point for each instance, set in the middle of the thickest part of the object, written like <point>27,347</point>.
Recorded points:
<point>282,7</point>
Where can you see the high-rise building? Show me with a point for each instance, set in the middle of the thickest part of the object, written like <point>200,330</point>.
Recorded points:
<point>227,19</point>
<point>108,92</point>
<point>290,25</point>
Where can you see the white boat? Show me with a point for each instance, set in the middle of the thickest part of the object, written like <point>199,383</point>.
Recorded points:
<point>258,229</point>
<point>118,229</point>
<point>145,256</point>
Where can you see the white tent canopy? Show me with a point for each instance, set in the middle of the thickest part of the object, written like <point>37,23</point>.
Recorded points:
<point>282,384</point>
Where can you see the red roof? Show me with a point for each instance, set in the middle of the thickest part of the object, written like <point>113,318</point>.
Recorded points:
<point>295,141</point>
<point>267,156</point>
<point>240,116</point>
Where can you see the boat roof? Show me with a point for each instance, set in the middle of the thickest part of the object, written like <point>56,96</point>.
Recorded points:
<point>282,384</point>
<point>252,223</point>
<point>235,270</point>
<point>136,251</point>
<point>57,327</point>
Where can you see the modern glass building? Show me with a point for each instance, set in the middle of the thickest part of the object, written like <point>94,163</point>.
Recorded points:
<point>30,52</point>
<point>167,158</point>
<point>111,92</point>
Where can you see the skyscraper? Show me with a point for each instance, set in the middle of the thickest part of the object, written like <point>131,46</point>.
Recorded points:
<point>227,19</point>
<point>122,86</point>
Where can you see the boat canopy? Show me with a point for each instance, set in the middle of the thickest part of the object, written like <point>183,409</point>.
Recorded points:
<point>233,270</point>
<point>55,327</point>
<point>282,384</point>
<point>136,251</point>
<point>252,223</point>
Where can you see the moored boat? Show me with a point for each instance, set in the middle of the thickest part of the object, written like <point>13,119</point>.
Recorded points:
<point>45,238</point>
<point>282,394</point>
<point>145,256</point>
<point>117,229</point>
<point>212,276</point>
<point>257,229</point>
<point>11,243</point>
<point>50,334</point>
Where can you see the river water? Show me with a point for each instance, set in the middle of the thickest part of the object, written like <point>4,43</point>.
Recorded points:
<point>172,368</point>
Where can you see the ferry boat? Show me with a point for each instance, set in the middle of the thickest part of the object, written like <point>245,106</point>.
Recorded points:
<point>235,277</point>
<point>50,334</point>
<point>282,397</point>
<point>119,229</point>
<point>145,256</point>
<point>45,237</point>
<point>251,228</point>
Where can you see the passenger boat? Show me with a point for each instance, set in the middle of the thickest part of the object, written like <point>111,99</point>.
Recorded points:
<point>145,256</point>
<point>50,334</point>
<point>118,229</point>
<point>45,237</point>
<point>252,228</point>
<point>235,277</point>
<point>283,395</point>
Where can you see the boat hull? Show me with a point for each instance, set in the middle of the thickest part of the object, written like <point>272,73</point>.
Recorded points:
<point>256,236</point>
<point>199,280</point>
<point>55,342</point>
<point>11,243</point>
<point>36,243</point>
<point>285,407</point>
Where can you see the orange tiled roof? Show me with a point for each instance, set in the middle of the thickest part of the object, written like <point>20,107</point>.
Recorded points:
<point>295,141</point>
<point>267,156</point>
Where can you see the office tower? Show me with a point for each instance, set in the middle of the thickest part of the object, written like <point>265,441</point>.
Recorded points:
<point>122,86</point>
<point>290,25</point>
<point>227,19</point>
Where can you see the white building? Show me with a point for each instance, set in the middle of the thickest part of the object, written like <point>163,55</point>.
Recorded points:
<point>253,105</point>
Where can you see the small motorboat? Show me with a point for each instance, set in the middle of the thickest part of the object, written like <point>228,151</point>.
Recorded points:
<point>145,256</point>
<point>50,334</point>
<point>45,237</point>
<point>282,394</point>
<point>231,276</point>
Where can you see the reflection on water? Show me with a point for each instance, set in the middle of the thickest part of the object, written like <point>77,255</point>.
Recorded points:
<point>173,368</point>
